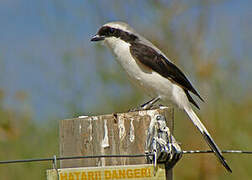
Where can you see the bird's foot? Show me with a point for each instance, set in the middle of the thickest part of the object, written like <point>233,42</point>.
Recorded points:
<point>157,106</point>
<point>146,106</point>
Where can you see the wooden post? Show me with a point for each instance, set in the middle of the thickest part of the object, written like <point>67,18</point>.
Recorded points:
<point>121,133</point>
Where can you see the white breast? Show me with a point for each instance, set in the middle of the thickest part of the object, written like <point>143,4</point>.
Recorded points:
<point>151,82</point>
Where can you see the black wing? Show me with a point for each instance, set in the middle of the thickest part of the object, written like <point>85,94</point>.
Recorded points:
<point>157,62</point>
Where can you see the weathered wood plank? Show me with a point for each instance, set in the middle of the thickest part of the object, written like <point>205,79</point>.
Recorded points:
<point>121,133</point>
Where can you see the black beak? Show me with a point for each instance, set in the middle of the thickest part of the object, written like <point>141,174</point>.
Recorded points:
<point>97,38</point>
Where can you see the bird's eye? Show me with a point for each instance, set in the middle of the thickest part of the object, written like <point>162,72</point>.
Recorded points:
<point>111,30</point>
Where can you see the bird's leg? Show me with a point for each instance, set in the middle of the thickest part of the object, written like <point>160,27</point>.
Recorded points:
<point>157,106</point>
<point>149,104</point>
<point>146,106</point>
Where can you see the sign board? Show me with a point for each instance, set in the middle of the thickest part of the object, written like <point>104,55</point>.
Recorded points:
<point>139,172</point>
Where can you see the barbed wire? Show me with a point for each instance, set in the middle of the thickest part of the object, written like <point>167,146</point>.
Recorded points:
<point>116,156</point>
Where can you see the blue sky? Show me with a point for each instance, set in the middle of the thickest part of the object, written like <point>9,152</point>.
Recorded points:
<point>38,37</point>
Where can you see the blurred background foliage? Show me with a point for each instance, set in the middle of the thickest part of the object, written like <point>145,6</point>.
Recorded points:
<point>50,71</point>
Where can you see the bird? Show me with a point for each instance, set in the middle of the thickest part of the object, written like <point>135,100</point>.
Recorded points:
<point>149,69</point>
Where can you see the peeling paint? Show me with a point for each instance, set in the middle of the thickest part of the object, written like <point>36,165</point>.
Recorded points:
<point>105,141</point>
<point>90,129</point>
<point>95,118</point>
<point>80,128</point>
<point>151,113</point>
<point>81,117</point>
<point>141,113</point>
<point>121,128</point>
<point>98,162</point>
<point>132,131</point>
<point>152,124</point>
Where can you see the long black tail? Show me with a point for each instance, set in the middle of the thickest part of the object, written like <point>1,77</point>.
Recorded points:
<point>196,121</point>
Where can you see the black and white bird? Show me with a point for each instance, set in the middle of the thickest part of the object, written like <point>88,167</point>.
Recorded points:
<point>149,69</point>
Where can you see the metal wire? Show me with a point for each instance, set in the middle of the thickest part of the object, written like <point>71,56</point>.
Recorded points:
<point>210,151</point>
<point>74,157</point>
<point>54,158</point>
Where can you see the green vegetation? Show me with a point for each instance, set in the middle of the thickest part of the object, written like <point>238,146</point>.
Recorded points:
<point>22,138</point>
<point>215,71</point>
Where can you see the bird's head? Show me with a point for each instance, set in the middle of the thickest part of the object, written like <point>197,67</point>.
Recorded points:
<point>114,31</point>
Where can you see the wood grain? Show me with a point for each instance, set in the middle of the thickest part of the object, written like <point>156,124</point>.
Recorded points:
<point>121,133</point>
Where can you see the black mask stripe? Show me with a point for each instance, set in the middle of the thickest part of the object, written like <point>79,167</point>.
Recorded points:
<point>118,33</point>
